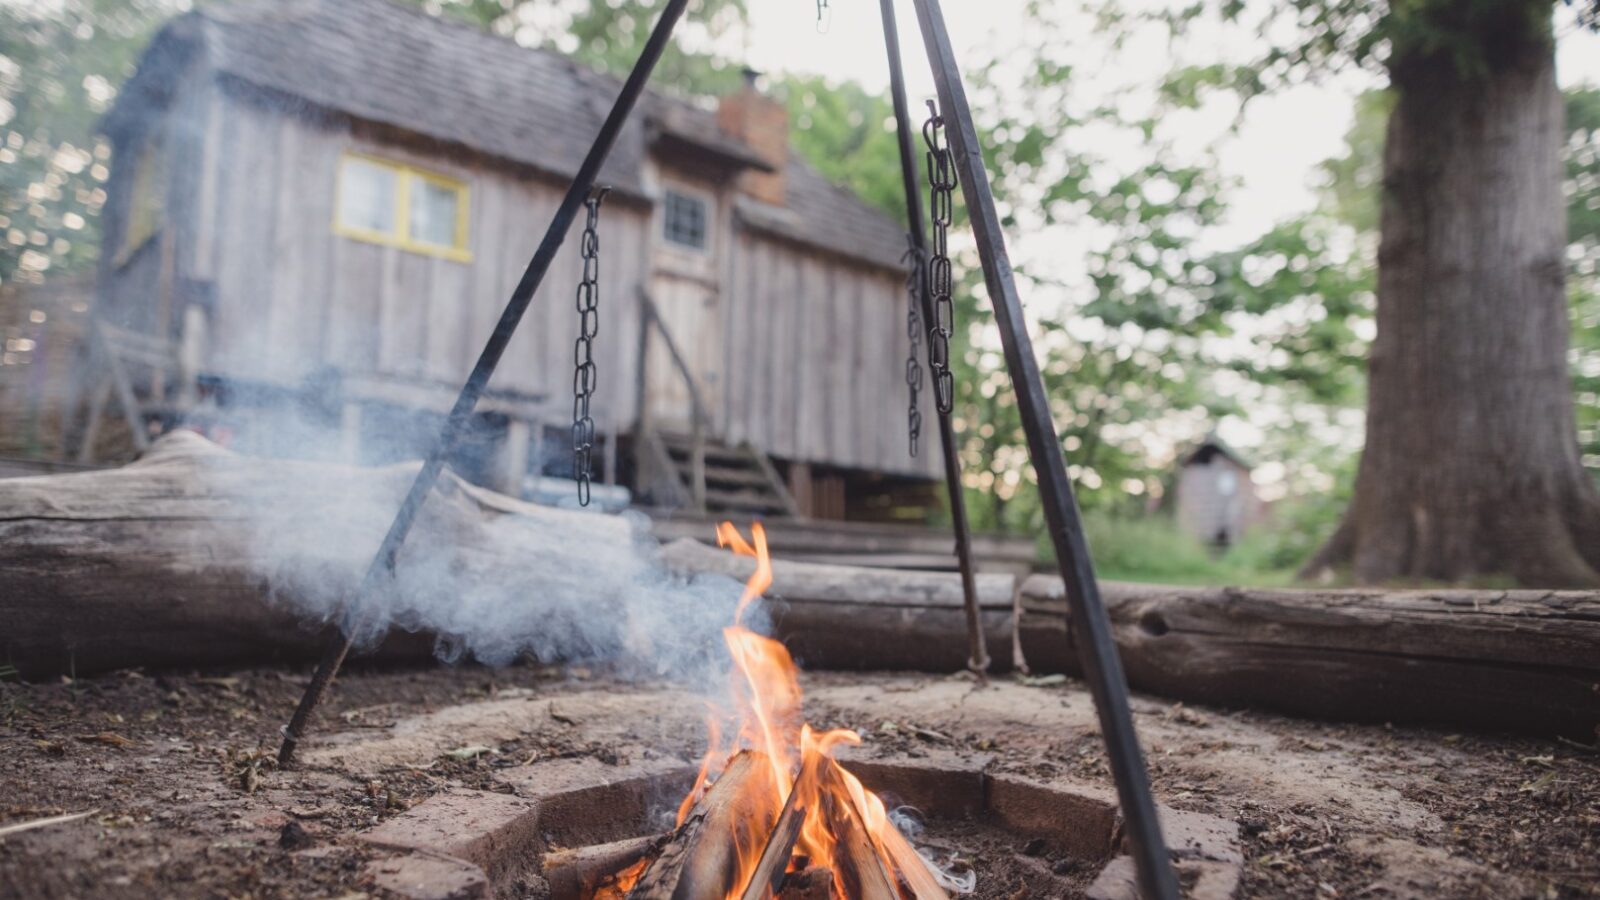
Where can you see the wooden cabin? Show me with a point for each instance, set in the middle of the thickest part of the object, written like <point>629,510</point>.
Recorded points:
<point>1215,500</point>
<point>319,208</point>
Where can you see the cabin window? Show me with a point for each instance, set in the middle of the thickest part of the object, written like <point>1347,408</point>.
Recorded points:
<point>684,220</point>
<point>402,206</point>
<point>144,197</point>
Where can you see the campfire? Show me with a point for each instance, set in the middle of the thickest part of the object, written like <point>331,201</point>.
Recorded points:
<point>772,814</point>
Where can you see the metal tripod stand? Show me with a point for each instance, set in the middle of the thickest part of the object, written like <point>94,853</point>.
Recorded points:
<point>1091,628</point>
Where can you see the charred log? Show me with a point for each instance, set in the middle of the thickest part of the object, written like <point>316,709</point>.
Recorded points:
<point>578,873</point>
<point>814,883</point>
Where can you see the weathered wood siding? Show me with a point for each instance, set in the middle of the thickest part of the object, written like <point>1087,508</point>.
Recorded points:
<point>815,360</point>
<point>294,297</point>
<point>806,349</point>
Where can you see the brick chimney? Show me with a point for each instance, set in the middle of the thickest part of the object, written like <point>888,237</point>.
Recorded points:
<point>762,123</point>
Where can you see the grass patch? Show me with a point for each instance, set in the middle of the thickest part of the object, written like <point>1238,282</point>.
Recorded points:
<point>1152,549</point>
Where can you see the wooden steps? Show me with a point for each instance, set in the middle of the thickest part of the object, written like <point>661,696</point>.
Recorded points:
<point>738,481</point>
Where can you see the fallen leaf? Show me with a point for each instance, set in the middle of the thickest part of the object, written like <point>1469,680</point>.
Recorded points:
<point>303,812</point>
<point>1538,785</point>
<point>109,738</point>
<point>472,752</point>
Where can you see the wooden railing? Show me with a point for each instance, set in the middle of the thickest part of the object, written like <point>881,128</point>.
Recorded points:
<point>649,440</point>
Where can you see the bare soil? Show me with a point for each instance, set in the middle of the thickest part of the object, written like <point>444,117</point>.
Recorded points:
<point>187,801</point>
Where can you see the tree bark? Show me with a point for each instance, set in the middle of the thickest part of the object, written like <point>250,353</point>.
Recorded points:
<point>1471,467</point>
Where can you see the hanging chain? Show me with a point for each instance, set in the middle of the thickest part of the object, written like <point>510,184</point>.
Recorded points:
<point>584,373</point>
<point>914,276</point>
<point>941,185</point>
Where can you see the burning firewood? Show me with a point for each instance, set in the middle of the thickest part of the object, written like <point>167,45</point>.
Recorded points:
<point>913,870</point>
<point>774,860</point>
<point>859,867</point>
<point>828,818</point>
<point>703,859</point>
<point>579,872</point>
<point>815,883</point>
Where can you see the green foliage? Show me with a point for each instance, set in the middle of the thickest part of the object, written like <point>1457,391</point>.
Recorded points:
<point>1583,256</point>
<point>1305,39</point>
<point>60,67</point>
<point>848,135</point>
<point>1152,549</point>
<point>1308,300</point>
<point>609,36</point>
<point>1352,181</point>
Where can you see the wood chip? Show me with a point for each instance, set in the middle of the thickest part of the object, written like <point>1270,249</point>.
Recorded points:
<point>18,828</point>
<point>110,738</point>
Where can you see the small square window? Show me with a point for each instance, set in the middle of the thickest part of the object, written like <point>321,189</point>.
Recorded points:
<point>367,195</point>
<point>433,213</point>
<point>683,220</point>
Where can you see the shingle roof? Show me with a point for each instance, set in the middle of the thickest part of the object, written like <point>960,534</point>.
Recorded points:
<point>396,65</point>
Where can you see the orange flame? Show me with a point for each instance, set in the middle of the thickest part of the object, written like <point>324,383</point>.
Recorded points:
<point>765,688</point>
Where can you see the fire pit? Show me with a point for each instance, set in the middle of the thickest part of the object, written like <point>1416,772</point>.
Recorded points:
<point>771,812</point>
<point>579,827</point>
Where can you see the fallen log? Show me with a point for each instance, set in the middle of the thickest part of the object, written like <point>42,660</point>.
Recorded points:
<point>849,617</point>
<point>700,860</point>
<point>1523,661</point>
<point>168,561</point>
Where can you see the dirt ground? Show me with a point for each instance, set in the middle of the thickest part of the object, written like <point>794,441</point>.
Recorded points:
<point>185,801</point>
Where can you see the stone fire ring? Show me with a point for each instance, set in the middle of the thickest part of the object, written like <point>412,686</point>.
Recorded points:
<point>463,844</point>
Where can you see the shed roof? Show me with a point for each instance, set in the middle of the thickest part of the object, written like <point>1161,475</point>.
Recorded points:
<point>1209,446</point>
<point>396,65</point>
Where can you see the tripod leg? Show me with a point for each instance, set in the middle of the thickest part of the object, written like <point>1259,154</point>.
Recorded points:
<point>1091,627</point>
<point>977,651</point>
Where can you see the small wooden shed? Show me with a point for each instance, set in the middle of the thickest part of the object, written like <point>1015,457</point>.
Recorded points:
<point>322,205</point>
<point>1215,500</point>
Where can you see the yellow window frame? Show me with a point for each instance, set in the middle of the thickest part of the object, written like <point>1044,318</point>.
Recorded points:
<point>399,233</point>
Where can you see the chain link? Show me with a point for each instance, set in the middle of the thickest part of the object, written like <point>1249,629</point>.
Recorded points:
<point>584,373</point>
<point>941,187</point>
<point>915,272</point>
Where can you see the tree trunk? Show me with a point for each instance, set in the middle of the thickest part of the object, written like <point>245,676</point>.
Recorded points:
<point>1471,465</point>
